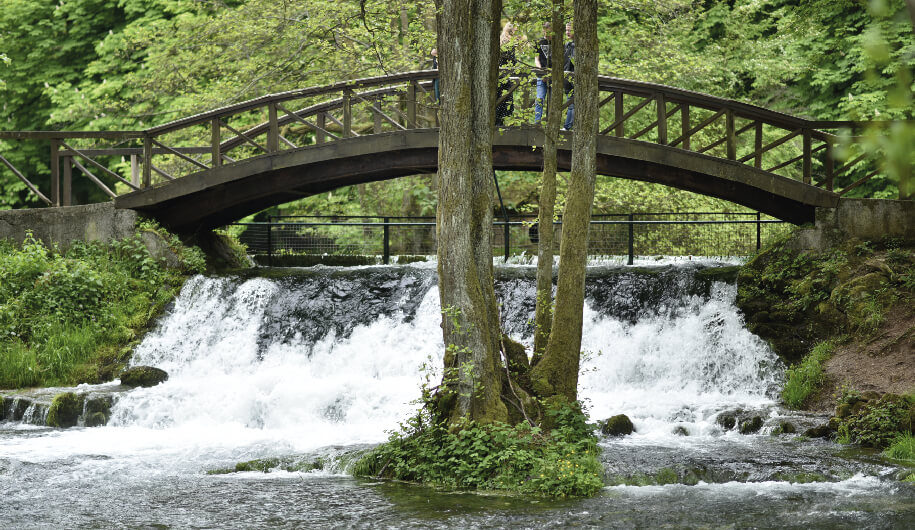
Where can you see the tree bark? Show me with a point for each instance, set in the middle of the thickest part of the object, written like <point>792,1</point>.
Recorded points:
<point>543,319</point>
<point>468,47</point>
<point>557,372</point>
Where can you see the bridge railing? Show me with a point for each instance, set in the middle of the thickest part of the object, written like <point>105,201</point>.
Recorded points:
<point>289,240</point>
<point>121,162</point>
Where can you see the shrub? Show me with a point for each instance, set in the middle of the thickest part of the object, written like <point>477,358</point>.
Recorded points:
<point>878,423</point>
<point>559,463</point>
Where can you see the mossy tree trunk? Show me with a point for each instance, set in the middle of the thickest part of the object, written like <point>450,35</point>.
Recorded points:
<point>543,319</point>
<point>468,47</point>
<point>557,372</point>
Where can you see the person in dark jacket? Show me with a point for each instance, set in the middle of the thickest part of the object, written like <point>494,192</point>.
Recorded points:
<point>569,85</point>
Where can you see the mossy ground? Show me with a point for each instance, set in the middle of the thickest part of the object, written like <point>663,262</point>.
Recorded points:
<point>73,317</point>
<point>837,316</point>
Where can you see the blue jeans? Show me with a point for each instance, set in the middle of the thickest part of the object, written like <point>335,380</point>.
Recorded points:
<point>570,116</point>
<point>542,90</point>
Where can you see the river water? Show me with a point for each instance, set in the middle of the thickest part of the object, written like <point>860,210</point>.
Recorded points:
<point>314,364</point>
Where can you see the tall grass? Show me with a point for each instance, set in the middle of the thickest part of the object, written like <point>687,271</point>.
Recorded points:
<point>806,377</point>
<point>68,318</point>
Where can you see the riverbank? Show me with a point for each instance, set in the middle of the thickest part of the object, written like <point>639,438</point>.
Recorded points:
<point>71,316</point>
<point>843,316</point>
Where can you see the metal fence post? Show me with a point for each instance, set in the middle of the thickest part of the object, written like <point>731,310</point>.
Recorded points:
<point>631,240</point>
<point>269,240</point>
<point>386,256</point>
<point>758,232</point>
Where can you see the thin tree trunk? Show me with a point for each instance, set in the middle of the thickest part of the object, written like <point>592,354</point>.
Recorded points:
<point>467,43</point>
<point>543,319</point>
<point>557,373</point>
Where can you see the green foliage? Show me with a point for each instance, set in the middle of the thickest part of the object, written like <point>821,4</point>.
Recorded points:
<point>68,318</point>
<point>805,378</point>
<point>878,423</point>
<point>902,448</point>
<point>559,463</point>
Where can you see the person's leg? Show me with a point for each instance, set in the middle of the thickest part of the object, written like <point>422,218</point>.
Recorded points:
<point>538,103</point>
<point>570,116</point>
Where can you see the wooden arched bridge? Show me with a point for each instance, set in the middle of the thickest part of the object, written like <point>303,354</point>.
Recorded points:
<point>212,168</point>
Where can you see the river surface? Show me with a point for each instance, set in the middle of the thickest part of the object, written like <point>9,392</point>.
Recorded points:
<point>314,364</point>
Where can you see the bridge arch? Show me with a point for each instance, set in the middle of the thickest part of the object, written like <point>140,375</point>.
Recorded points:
<point>212,198</point>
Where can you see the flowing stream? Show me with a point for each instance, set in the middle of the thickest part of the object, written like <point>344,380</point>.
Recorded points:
<point>315,364</point>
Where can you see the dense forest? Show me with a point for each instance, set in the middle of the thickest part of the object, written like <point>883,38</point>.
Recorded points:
<point>132,64</point>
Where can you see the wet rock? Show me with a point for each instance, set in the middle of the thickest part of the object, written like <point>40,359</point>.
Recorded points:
<point>727,420</point>
<point>680,430</point>
<point>752,425</point>
<point>784,427</point>
<point>619,425</point>
<point>843,410</point>
<point>144,376</point>
<point>823,431</point>
<point>65,410</point>
<point>96,419</point>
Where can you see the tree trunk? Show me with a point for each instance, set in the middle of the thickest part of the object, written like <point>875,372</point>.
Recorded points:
<point>543,320</point>
<point>557,372</point>
<point>467,44</point>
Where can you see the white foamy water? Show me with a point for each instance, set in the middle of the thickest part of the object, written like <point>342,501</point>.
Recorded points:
<point>234,393</point>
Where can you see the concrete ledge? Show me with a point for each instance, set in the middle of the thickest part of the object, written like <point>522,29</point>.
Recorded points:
<point>61,226</point>
<point>864,219</point>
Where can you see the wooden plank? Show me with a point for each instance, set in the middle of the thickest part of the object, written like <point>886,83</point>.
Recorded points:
<point>215,142</point>
<point>618,111</point>
<point>55,172</point>
<point>347,114</point>
<point>627,115</point>
<point>830,166</point>
<point>319,129</point>
<point>244,136</point>
<point>319,132</point>
<point>662,118</point>
<point>757,145</point>
<point>699,127</point>
<point>273,134</point>
<point>684,126</point>
<point>147,162</point>
<point>771,145</point>
<point>135,170</point>
<point>808,157</point>
<point>411,105</point>
<point>68,181</point>
<point>95,179</point>
<point>103,168</point>
<point>182,156</point>
<point>163,173</point>
<point>731,135</point>
<point>25,181</point>
<point>63,135</point>
<point>859,182</point>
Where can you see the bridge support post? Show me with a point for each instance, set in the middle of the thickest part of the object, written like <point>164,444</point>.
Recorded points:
<point>386,247</point>
<point>273,134</point>
<point>631,239</point>
<point>147,161</point>
<point>684,126</point>
<point>618,112</point>
<point>68,181</point>
<point>662,118</point>
<point>55,172</point>
<point>830,165</point>
<point>731,135</point>
<point>347,113</point>
<point>807,157</point>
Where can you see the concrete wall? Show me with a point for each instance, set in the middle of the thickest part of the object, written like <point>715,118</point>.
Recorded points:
<point>865,219</point>
<point>91,222</point>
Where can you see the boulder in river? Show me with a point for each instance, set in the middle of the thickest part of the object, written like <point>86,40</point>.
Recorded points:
<point>65,410</point>
<point>143,376</point>
<point>751,425</point>
<point>619,425</point>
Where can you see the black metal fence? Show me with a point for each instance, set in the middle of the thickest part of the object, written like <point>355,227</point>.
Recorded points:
<point>619,237</point>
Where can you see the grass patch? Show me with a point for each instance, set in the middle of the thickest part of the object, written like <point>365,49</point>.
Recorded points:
<point>902,448</point>
<point>806,377</point>
<point>70,318</point>
<point>558,463</point>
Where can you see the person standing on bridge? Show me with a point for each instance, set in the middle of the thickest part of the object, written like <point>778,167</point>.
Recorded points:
<point>569,85</point>
<point>543,60</point>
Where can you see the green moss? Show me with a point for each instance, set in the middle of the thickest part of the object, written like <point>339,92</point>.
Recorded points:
<point>65,410</point>
<point>808,376</point>
<point>879,423</point>
<point>266,465</point>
